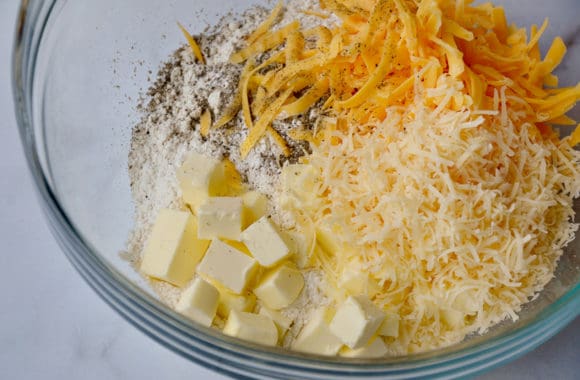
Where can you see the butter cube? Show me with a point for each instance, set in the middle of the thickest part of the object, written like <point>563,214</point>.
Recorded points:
<point>255,206</point>
<point>200,177</point>
<point>229,300</point>
<point>390,326</point>
<point>301,245</point>
<point>238,245</point>
<point>356,320</point>
<point>251,327</point>
<point>356,281</point>
<point>265,242</point>
<point>282,322</point>
<point>199,302</point>
<point>316,337</point>
<point>233,185</point>
<point>327,240</point>
<point>173,249</point>
<point>299,182</point>
<point>220,217</point>
<point>239,302</point>
<point>228,266</point>
<point>280,287</point>
<point>376,348</point>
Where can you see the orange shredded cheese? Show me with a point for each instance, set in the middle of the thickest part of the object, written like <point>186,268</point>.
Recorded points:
<point>267,24</point>
<point>193,44</point>
<point>205,122</point>
<point>380,44</point>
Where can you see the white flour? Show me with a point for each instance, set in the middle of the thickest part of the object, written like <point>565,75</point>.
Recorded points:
<point>169,130</point>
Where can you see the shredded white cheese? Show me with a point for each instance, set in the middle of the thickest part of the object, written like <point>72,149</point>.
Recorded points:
<point>458,217</point>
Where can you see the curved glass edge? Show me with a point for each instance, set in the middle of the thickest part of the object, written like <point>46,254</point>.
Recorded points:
<point>206,347</point>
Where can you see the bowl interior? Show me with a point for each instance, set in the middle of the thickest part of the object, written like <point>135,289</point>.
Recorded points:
<point>95,61</point>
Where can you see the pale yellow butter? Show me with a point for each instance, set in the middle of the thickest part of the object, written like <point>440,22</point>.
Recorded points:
<point>220,217</point>
<point>231,301</point>
<point>265,243</point>
<point>251,327</point>
<point>255,206</point>
<point>355,281</point>
<point>327,240</point>
<point>356,320</point>
<point>282,322</point>
<point>301,245</point>
<point>228,266</point>
<point>299,182</point>
<point>280,287</point>
<point>390,326</point>
<point>173,248</point>
<point>199,301</point>
<point>316,337</point>
<point>200,177</point>
<point>376,348</point>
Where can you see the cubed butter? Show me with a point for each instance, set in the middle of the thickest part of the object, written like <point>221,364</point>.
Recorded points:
<point>201,177</point>
<point>173,248</point>
<point>327,240</point>
<point>390,326</point>
<point>220,217</point>
<point>238,245</point>
<point>299,182</point>
<point>280,287</point>
<point>199,301</point>
<point>231,301</point>
<point>282,322</point>
<point>301,245</point>
<point>228,266</point>
<point>233,180</point>
<point>251,327</point>
<point>356,320</point>
<point>376,348</point>
<point>316,337</point>
<point>265,243</point>
<point>355,281</point>
<point>255,206</point>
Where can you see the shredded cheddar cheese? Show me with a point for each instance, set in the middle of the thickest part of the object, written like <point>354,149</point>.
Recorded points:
<point>205,122</point>
<point>369,61</point>
<point>192,44</point>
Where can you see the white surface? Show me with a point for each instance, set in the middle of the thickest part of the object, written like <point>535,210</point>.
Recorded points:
<point>52,325</point>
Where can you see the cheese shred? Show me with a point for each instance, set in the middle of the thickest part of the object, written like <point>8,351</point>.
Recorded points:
<point>192,44</point>
<point>379,44</point>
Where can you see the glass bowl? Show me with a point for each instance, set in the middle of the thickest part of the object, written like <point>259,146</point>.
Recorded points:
<point>78,70</point>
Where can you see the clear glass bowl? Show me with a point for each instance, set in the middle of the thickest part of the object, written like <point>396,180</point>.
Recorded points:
<point>79,67</point>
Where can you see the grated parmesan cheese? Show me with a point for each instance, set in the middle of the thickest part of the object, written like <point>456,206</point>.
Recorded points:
<point>458,218</point>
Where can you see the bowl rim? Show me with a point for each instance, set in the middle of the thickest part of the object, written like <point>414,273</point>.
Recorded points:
<point>207,346</point>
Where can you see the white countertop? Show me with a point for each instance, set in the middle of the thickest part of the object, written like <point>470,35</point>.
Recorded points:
<point>53,326</point>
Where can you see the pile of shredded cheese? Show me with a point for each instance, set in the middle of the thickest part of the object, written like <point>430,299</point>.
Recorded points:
<point>381,48</point>
<point>457,217</point>
<point>434,171</point>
